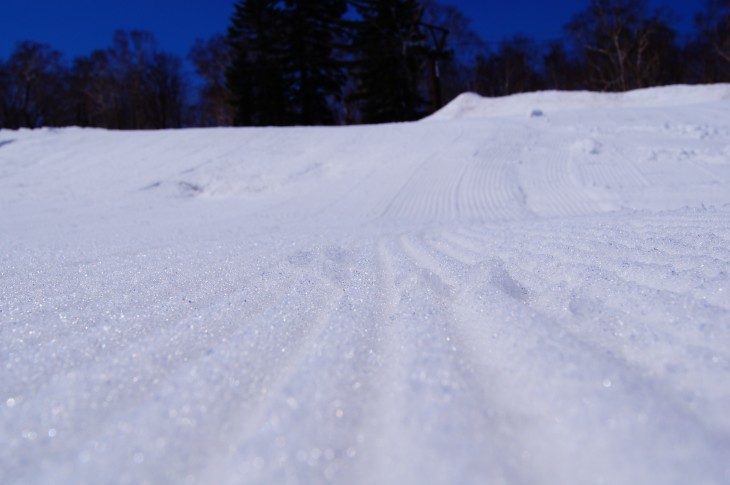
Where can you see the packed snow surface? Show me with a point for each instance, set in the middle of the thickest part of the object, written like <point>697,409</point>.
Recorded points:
<point>527,290</point>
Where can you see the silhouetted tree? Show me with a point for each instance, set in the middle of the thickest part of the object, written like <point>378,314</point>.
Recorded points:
<point>285,67</point>
<point>662,63</point>
<point>93,90</point>
<point>512,69</point>
<point>34,85</point>
<point>4,90</point>
<point>709,52</point>
<point>211,58</point>
<point>166,93</point>
<point>463,46</point>
<point>560,70</point>
<point>621,46</point>
<point>148,84</point>
<point>388,60</point>
<point>314,31</point>
<point>260,87</point>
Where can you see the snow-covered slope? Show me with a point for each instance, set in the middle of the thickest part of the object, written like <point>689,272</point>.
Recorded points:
<point>470,105</point>
<point>523,290</point>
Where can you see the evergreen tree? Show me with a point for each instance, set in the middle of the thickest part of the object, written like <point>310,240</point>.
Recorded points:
<point>388,61</point>
<point>285,69</point>
<point>260,86</point>
<point>315,29</point>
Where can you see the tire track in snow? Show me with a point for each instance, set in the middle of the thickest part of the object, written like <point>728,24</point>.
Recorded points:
<point>493,187</point>
<point>681,263</point>
<point>471,185</point>
<point>553,187</point>
<point>602,164</point>
<point>296,340</point>
<point>413,203</point>
<point>438,381</point>
<point>240,374</point>
<point>633,395</point>
<point>677,276</point>
<point>317,429</point>
<point>390,452</point>
<point>641,324</point>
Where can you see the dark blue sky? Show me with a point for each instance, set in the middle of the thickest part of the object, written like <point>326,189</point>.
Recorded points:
<point>76,27</point>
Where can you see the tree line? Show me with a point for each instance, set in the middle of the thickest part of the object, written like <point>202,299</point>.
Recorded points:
<point>298,62</point>
<point>130,85</point>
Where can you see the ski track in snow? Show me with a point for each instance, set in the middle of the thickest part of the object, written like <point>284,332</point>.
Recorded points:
<point>494,299</point>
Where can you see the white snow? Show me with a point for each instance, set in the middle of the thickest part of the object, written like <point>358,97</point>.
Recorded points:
<point>487,296</point>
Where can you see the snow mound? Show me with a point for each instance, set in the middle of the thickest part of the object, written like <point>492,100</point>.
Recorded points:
<point>471,105</point>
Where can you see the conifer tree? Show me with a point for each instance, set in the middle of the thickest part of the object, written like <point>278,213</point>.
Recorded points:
<point>388,62</point>
<point>285,69</point>
<point>315,30</point>
<point>260,86</point>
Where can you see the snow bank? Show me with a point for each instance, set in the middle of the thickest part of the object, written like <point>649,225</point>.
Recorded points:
<point>471,105</point>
